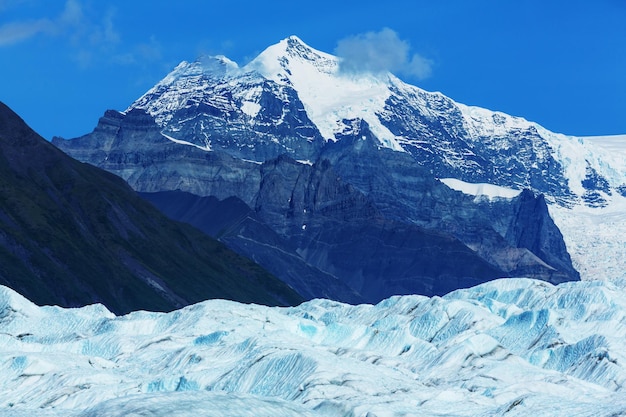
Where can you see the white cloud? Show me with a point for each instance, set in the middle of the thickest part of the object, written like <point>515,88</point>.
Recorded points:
<point>72,23</point>
<point>87,28</point>
<point>72,14</point>
<point>420,67</point>
<point>102,33</point>
<point>146,52</point>
<point>90,38</point>
<point>380,52</point>
<point>16,32</point>
<point>12,33</point>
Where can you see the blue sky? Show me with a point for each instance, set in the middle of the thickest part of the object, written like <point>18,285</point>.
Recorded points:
<point>559,63</point>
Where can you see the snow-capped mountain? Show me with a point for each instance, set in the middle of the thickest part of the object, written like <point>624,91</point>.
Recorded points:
<point>451,138</point>
<point>511,347</point>
<point>277,132</point>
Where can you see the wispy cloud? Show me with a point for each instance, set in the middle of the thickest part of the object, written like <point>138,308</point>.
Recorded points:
<point>88,31</point>
<point>145,52</point>
<point>90,38</point>
<point>380,52</point>
<point>15,32</point>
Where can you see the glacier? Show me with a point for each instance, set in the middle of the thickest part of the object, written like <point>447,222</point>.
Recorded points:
<point>508,347</point>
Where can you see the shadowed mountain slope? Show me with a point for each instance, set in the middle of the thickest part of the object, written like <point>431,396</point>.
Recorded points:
<point>72,234</point>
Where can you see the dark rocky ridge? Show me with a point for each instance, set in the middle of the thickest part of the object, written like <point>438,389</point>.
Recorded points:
<point>72,234</point>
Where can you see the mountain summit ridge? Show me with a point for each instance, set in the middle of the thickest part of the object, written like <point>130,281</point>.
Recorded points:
<point>434,128</point>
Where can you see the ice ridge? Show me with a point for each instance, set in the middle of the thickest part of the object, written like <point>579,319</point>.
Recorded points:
<point>508,347</point>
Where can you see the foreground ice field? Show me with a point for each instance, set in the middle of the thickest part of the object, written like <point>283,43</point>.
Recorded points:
<point>510,347</point>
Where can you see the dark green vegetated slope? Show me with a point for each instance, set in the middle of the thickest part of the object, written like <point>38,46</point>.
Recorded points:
<point>72,234</point>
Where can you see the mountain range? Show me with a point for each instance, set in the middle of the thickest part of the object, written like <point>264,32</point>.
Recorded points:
<point>348,188</point>
<point>357,186</point>
<point>72,234</point>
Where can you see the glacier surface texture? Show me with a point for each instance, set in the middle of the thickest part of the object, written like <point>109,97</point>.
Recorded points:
<point>509,347</point>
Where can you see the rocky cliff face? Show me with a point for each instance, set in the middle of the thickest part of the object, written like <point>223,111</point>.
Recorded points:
<point>358,224</point>
<point>131,146</point>
<point>502,231</point>
<point>340,174</point>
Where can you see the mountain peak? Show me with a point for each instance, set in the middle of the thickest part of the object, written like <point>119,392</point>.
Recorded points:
<point>207,65</point>
<point>281,60</point>
<point>328,95</point>
<point>295,38</point>
<point>295,47</point>
<point>11,124</point>
<point>219,64</point>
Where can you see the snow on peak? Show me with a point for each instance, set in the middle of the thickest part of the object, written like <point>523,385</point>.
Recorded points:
<point>483,122</point>
<point>212,66</point>
<point>329,96</point>
<point>187,81</point>
<point>604,154</point>
<point>217,66</point>
<point>481,190</point>
<point>276,61</point>
<point>612,143</point>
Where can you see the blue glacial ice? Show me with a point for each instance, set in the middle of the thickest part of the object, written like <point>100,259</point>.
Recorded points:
<point>509,347</point>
